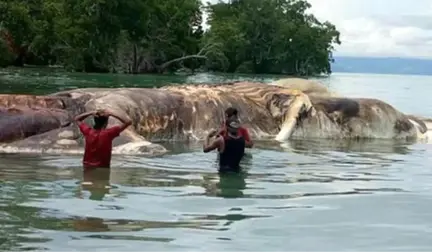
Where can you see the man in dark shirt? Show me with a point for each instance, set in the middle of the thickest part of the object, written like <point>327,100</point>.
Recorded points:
<point>231,147</point>
<point>98,140</point>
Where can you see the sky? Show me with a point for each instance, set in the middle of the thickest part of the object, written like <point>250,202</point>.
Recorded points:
<point>380,28</point>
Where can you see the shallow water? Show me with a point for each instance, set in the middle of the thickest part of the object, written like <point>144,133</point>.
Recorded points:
<point>301,195</point>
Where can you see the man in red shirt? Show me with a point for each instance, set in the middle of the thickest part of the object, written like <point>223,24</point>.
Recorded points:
<point>98,140</point>
<point>232,114</point>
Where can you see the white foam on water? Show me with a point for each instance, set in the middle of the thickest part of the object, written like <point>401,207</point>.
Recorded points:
<point>133,148</point>
<point>286,146</point>
<point>24,150</point>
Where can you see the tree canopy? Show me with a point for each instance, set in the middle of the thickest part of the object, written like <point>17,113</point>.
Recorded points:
<point>150,36</point>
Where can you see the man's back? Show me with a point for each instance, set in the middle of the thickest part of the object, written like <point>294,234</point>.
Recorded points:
<point>98,145</point>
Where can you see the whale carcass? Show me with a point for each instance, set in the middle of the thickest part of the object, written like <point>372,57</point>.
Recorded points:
<point>188,112</point>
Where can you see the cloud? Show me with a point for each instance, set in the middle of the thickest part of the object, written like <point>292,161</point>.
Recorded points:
<point>379,28</point>
<point>399,28</point>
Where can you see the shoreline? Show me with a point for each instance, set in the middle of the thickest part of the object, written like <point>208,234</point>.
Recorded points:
<point>60,69</point>
<point>56,69</point>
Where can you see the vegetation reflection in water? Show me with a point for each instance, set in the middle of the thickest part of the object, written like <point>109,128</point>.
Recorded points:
<point>181,190</point>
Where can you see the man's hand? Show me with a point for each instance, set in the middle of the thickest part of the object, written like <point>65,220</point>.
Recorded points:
<point>125,120</point>
<point>212,133</point>
<point>81,117</point>
<point>207,146</point>
<point>102,112</point>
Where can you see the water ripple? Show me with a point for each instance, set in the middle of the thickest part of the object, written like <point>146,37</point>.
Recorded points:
<point>154,202</point>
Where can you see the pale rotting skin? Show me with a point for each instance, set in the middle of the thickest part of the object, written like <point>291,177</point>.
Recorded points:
<point>189,112</point>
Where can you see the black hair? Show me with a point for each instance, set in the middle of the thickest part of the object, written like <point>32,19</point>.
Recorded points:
<point>231,112</point>
<point>100,122</point>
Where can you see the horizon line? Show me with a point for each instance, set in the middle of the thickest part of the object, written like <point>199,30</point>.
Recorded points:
<point>383,57</point>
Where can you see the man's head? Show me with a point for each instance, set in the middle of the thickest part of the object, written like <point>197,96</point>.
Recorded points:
<point>232,126</point>
<point>100,122</point>
<point>231,113</point>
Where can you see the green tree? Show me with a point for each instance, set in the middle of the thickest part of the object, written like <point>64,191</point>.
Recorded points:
<point>17,27</point>
<point>167,32</point>
<point>271,36</point>
<point>6,57</point>
<point>151,36</point>
<point>105,35</point>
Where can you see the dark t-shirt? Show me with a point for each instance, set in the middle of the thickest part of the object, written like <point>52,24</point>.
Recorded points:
<point>229,159</point>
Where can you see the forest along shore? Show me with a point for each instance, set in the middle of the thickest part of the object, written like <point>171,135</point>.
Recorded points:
<point>137,36</point>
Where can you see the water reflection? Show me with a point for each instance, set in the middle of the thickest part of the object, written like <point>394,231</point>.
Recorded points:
<point>369,146</point>
<point>378,146</point>
<point>42,80</point>
<point>230,185</point>
<point>97,182</point>
<point>50,200</point>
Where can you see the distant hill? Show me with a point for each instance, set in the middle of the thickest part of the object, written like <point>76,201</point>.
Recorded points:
<point>382,65</point>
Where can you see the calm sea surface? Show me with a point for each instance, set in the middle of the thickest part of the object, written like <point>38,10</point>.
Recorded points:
<point>298,196</point>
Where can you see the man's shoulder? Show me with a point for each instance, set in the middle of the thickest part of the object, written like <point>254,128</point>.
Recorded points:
<point>84,128</point>
<point>243,128</point>
<point>82,124</point>
<point>114,128</point>
<point>113,131</point>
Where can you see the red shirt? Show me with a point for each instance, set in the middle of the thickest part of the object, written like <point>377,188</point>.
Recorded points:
<point>98,145</point>
<point>242,131</point>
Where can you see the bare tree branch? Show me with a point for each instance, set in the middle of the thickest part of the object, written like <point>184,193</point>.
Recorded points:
<point>202,54</point>
<point>168,63</point>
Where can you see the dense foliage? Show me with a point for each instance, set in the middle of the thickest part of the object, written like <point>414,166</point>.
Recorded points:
<point>153,36</point>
